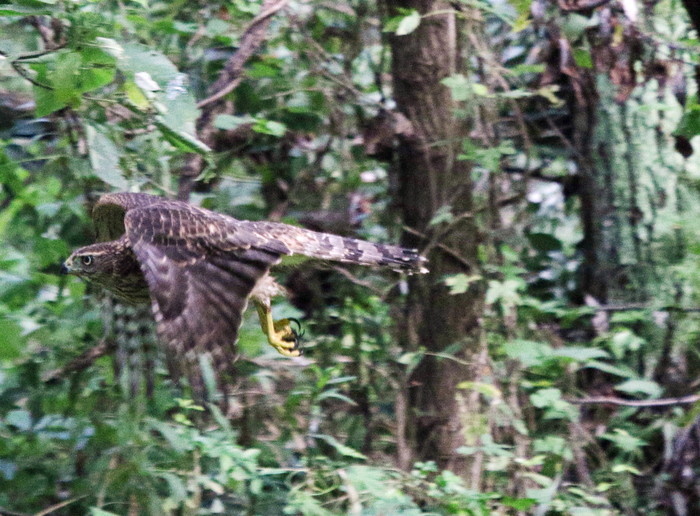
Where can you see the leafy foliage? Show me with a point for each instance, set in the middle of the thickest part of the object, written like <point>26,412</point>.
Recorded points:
<point>113,90</point>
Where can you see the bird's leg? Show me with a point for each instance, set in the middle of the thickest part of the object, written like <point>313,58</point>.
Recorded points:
<point>279,334</point>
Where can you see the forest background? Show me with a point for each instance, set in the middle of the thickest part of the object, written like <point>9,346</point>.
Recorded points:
<point>542,154</point>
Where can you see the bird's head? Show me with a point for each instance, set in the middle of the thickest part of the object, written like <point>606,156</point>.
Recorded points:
<point>90,262</point>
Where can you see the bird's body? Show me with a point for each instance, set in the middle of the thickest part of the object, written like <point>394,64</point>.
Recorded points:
<point>198,268</point>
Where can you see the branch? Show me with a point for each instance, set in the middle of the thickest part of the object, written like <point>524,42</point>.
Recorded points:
<point>82,361</point>
<point>612,400</point>
<point>250,41</point>
<point>231,75</point>
<point>644,306</point>
<point>573,7</point>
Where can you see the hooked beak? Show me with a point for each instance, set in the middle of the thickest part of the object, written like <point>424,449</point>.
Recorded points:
<point>65,269</point>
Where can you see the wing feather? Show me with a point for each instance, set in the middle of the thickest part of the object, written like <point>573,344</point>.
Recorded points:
<point>200,271</point>
<point>109,211</point>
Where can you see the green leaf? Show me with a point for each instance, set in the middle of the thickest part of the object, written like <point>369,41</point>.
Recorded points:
<point>624,440</point>
<point>96,511</point>
<point>25,10</point>
<point>459,85</point>
<point>506,293</point>
<point>582,58</point>
<point>228,122</point>
<point>408,23</point>
<point>554,406</point>
<point>519,504</point>
<point>104,157</point>
<point>174,438</point>
<point>134,57</point>
<point>630,317</point>
<point>689,125</point>
<point>182,140</point>
<point>269,127</point>
<point>459,283</point>
<point>529,353</point>
<point>46,99</point>
<point>177,487</point>
<point>64,78</point>
<point>544,242</point>
<point>625,468</point>
<point>579,353</point>
<point>339,447</point>
<point>647,387</point>
<point>621,371</point>
<point>11,340</point>
<point>442,214</point>
<point>624,341</point>
<point>574,26</point>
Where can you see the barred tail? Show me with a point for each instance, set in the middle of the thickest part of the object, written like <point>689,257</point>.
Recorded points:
<point>324,246</point>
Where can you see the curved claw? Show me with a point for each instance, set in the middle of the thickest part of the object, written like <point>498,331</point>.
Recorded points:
<point>299,332</point>
<point>280,334</point>
<point>285,338</point>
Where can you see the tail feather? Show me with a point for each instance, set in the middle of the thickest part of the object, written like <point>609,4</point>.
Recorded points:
<point>325,246</point>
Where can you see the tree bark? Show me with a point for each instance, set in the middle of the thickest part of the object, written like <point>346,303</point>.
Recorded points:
<point>431,177</point>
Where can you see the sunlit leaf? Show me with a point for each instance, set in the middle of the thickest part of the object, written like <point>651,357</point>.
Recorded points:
<point>408,23</point>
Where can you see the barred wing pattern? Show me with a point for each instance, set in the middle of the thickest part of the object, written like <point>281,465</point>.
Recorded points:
<point>201,267</point>
<point>200,271</point>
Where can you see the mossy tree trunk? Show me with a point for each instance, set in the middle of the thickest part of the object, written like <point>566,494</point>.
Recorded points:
<point>434,416</point>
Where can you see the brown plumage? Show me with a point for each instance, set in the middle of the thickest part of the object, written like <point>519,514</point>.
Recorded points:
<point>198,268</point>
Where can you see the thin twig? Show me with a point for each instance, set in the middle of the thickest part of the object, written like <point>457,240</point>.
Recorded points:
<point>366,284</point>
<point>8,512</point>
<point>57,506</point>
<point>83,361</point>
<point>612,400</point>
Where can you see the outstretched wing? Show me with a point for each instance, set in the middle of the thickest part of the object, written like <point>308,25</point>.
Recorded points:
<point>201,268</point>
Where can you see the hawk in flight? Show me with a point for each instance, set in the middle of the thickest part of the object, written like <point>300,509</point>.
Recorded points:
<point>198,269</point>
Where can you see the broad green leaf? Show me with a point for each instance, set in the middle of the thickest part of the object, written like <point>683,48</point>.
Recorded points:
<point>64,79</point>
<point>46,99</point>
<point>529,353</point>
<point>104,157</point>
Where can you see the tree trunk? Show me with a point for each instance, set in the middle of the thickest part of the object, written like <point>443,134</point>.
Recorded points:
<point>431,178</point>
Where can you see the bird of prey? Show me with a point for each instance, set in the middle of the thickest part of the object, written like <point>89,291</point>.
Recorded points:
<point>198,269</point>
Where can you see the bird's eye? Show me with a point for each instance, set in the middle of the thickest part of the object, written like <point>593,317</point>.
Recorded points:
<point>86,260</point>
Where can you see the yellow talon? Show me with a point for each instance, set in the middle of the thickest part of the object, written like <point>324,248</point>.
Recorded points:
<point>279,334</point>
